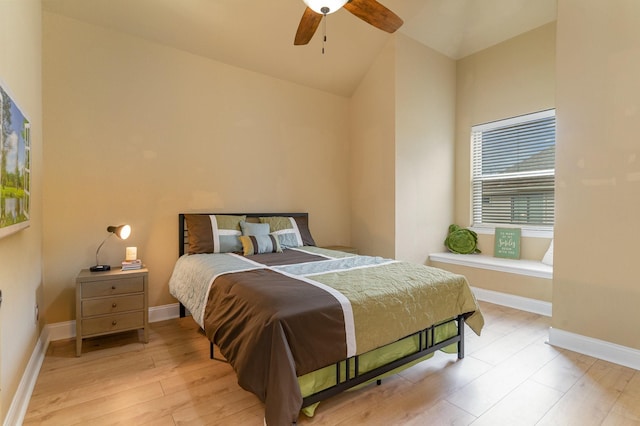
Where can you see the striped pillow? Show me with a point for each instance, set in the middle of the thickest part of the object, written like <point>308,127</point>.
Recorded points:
<point>258,244</point>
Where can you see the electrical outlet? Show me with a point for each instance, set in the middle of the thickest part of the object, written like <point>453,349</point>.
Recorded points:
<point>36,313</point>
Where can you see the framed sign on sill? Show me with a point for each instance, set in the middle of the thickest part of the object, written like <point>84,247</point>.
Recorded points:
<point>507,243</point>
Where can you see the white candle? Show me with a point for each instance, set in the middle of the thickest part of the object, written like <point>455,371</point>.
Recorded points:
<point>131,253</point>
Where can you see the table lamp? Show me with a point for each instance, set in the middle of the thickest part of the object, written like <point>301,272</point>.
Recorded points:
<point>122,232</point>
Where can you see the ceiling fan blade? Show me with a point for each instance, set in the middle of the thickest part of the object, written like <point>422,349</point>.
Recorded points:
<point>375,14</point>
<point>308,26</point>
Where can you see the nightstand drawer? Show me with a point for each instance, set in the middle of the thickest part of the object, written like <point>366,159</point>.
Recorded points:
<point>112,287</point>
<point>112,323</point>
<point>110,305</point>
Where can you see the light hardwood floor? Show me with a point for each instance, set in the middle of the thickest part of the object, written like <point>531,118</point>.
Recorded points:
<point>508,377</point>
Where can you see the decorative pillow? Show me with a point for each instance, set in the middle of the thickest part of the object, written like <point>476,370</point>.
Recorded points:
<point>303,228</point>
<point>291,231</point>
<point>547,259</point>
<point>461,240</point>
<point>258,244</point>
<point>251,228</point>
<point>213,233</point>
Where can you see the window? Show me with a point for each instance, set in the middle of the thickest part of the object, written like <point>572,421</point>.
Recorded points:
<point>514,171</point>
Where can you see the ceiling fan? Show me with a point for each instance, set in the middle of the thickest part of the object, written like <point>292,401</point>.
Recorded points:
<point>369,11</point>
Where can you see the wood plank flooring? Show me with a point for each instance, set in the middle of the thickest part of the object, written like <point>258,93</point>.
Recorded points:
<point>508,377</point>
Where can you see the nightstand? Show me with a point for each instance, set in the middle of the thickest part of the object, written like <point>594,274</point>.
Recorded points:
<point>110,302</point>
<point>343,248</point>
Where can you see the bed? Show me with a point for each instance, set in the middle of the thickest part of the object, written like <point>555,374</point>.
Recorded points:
<point>299,323</point>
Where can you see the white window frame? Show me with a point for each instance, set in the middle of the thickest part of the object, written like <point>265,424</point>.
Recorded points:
<point>543,231</point>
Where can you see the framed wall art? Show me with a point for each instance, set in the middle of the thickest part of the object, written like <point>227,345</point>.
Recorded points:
<point>15,166</point>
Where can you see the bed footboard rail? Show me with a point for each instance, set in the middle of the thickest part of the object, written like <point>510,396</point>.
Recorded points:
<point>427,345</point>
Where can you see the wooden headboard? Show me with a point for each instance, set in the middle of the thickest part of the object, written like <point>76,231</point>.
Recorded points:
<point>183,235</point>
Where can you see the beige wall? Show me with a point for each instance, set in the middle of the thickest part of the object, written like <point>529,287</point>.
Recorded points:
<point>21,253</point>
<point>402,117</point>
<point>372,166</point>
<point>512,78</point>
<point>596,287</point>
<point>138,132</point>
<point>425,117</point>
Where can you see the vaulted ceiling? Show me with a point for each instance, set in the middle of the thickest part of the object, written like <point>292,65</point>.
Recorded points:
<point>258,34</point>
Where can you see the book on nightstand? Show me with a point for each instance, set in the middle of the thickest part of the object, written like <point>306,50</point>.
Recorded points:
<point>128,265</point>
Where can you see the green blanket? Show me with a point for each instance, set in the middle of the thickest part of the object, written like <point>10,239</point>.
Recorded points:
<point>393,299</point>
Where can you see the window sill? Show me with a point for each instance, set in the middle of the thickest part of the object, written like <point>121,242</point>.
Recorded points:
<point>531,268</point>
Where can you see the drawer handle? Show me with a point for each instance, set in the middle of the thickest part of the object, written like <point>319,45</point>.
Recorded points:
<point>113,287</point>
<point>113,305</point>
<point>114,322</point>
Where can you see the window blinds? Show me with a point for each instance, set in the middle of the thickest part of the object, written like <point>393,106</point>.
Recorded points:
<point>514,171</point>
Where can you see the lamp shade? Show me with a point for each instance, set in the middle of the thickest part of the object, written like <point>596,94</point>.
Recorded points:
<point>122,231</point>
<point>325,7</point>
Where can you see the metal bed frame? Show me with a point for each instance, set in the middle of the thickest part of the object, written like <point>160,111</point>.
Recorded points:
<point>426,337</point>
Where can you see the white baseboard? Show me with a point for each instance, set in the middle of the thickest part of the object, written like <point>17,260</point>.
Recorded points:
<point>164,312</point>
<point>600,349</point>
<point>61,330</point>
<point>20,402</point>
<point>50,333</point>
<point>596,348</point>
<point>517,302</point>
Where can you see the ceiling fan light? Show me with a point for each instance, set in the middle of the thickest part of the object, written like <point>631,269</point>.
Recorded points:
<point>318,5</point>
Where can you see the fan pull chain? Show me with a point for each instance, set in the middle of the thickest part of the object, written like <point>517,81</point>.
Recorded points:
<point>324,11</point>
<point>324,35</point>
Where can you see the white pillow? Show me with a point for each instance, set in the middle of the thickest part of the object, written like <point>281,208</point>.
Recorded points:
<point>547,259</point>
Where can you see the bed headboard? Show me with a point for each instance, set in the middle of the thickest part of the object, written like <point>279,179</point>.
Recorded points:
<point>183,235</point>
